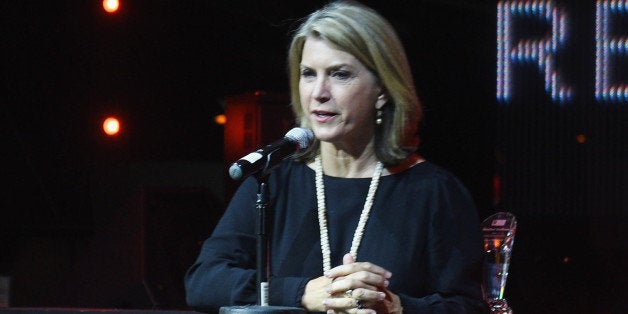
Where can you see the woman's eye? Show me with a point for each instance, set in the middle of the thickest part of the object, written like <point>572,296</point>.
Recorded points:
<point>307,73</point>
<point>341,75</point>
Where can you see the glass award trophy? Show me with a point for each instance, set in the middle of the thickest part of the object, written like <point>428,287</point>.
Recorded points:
<point>499,235</point>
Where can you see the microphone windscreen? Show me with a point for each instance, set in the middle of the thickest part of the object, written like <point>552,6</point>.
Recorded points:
<point>302,136</point>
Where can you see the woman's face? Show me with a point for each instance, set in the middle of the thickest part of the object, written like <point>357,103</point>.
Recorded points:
<point>338,94</point>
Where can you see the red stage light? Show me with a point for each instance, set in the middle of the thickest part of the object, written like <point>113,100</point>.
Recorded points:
<point>581,138</point>
<point>220,119</point>
<point>111,126</point>
<point>111,6</point>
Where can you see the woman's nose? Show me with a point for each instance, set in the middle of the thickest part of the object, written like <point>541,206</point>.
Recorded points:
<point>321,90</point>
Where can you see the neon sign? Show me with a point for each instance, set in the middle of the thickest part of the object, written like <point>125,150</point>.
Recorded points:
<point>606,45</point>
<point>542,51</point>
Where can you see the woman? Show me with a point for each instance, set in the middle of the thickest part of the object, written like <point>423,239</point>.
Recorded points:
<point>361,223</point>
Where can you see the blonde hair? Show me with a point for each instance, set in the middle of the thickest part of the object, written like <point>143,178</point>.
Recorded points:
<point>365,34</point>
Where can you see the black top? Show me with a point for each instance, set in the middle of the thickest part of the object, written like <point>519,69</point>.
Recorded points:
<point>423,228</point>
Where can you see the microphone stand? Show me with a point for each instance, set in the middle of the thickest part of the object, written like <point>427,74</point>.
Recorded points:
<point>262,248</point>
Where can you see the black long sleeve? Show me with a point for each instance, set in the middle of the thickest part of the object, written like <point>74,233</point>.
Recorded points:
<point>423,228</point>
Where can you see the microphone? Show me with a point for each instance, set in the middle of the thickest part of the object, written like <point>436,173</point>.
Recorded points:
<point>271,155</point>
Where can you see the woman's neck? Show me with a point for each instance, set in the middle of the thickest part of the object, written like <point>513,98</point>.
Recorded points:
<point>338,162</point>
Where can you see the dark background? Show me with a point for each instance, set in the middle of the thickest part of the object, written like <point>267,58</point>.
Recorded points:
<point>91,221</point>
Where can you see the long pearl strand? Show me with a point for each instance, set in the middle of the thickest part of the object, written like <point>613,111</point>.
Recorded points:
<point>322,217</point>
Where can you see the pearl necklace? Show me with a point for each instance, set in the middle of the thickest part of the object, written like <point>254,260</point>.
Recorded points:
<point>322,219</point>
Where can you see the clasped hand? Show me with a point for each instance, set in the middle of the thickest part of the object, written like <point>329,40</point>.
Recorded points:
<point>353,287</point>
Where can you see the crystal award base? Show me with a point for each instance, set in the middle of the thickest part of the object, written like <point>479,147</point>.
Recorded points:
<point>499,235</point>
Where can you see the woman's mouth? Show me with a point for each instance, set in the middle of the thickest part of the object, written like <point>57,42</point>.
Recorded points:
<point>323,116</point>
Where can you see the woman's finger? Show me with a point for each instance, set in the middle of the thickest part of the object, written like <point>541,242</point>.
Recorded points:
<point>346,284</point>
<point>347,269</point>
<point>347,305</point>
<point>366,294</point>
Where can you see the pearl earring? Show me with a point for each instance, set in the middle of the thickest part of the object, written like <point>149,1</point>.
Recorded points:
<point>379,116</point>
